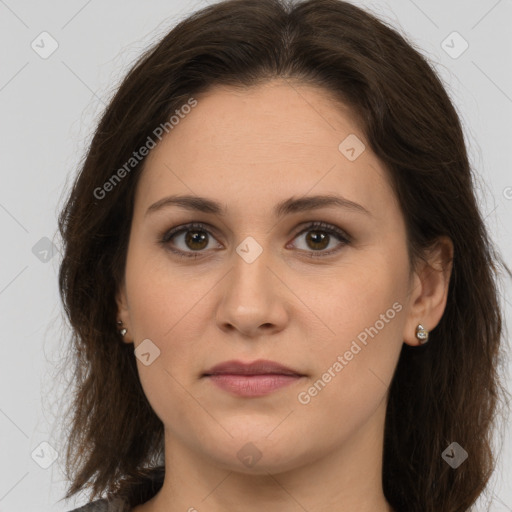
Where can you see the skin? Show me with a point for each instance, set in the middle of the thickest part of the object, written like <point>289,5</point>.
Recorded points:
<point>250,149</point>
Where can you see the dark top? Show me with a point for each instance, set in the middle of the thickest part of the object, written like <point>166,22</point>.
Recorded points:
<point>137,490</point>
<point>104,505</point>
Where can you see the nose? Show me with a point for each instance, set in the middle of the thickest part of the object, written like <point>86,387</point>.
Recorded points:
<point>253,298</point>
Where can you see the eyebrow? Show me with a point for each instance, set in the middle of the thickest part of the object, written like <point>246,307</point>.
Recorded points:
<point>286,207</point>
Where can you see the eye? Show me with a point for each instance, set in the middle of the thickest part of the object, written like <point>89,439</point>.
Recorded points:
<point>319,236</point>
<point>190,240</point>
<point>195,236</point>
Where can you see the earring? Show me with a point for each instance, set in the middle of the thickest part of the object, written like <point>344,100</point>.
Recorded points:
<point>122,331</point>
<point>421,334</point>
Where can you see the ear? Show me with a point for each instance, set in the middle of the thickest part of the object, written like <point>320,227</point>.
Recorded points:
<point>429,290</point>
<point>123,313</point>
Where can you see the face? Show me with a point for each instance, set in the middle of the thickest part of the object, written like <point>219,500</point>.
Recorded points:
<point>333,302</point>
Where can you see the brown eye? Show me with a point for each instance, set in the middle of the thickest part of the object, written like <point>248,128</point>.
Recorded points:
<point>196,239</point>
<point>319,236</point>
<point>317,240</point>
<point>188,241</point>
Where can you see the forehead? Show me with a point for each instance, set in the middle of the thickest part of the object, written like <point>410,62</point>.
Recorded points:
<point>278,139</point>
<point>268,119</point>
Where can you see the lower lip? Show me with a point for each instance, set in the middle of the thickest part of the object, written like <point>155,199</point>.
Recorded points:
<point>253,385</point>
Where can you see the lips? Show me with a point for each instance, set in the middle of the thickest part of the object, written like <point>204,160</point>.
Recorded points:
<point>250,380</point>
<point>260,367</point>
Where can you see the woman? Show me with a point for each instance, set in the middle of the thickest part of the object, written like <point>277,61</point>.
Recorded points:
<point>282,291</point>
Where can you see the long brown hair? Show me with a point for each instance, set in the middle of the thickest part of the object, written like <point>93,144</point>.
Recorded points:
<point>446,390</point>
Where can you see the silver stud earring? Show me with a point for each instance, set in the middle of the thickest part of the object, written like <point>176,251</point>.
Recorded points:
<point>122,331</point>
<point>421,334</point>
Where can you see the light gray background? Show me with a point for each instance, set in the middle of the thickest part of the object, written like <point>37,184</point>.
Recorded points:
<point>48,110</point>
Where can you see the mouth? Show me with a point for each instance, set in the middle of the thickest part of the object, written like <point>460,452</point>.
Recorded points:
<point>258,378</point>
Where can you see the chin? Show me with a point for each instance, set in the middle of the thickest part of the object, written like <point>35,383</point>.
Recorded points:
<point>258,455</point>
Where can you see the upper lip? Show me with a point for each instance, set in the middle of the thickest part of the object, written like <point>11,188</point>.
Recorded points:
<point>259,367</point>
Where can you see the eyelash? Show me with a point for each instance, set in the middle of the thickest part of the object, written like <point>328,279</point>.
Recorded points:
<point>313,226</point>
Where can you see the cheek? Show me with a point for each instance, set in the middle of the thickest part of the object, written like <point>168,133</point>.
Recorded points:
<point>163,300</point>
<point>365,300</point>
<point>161,294</point>
<point>354,368</point>
<point>365,314</point>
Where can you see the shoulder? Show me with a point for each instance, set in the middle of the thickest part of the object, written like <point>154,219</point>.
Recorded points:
<point>104,505</point>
